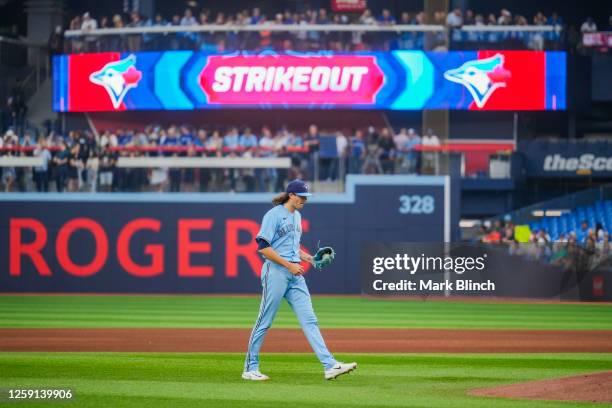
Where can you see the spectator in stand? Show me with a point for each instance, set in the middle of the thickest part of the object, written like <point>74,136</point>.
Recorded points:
<point>88,24</point>
<point>386,19</point>
<point>215,143</point>
<point>256,16</point>
<point>280,147</point>
<point>266,177</point>
<point>231,139</point>
<point>171,139</point>
<point>406,39</point>
<point>505,17</point>
<point>312,142</point>
<point>188,18</point>
<point>357,152</point>
<point>103,41</point>
<point>247,140</point>
<point>106,168</point>
<point>491,237</point>
<point>204,173</point>
<point>73,167</point>
<point>61,160</point>
<point>84,151</point>
<point>454,19</point>
<point>557,23</point>
<point>387,151</point>
<point>539,19</point>
<point>158,41</point>
<point>104,22</point>
<point>582,233</point>
<point>469,18</point>
<point>367,38</point>
<point>248,175</point>
<point>401,141</point>
<point>134,42</point>
<point>117,42</point>
<point>508,233</point>
<point>589,26</point>
<point>188,39</point>
<point>411,155</point>
<point>186,138</point>
<point>125,137</point>
<point>9,174</point>
<point>371,162</point>
<point>293,139</point>
<point>76,43</point>
<point>367,18</point>
<point>342,146</point>
<point>430,159</point>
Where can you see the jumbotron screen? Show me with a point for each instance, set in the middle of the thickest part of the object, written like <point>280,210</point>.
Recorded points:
<point>396,80</point>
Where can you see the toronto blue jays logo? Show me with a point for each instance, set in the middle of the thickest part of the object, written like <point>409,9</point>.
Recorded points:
<point>118,77</point>
<point>481,77</point>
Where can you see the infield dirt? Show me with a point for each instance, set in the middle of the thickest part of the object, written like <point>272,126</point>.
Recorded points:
<point>293,340</point>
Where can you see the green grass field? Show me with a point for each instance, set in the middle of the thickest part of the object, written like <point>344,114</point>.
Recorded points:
<point>204,380</point>
<point>333,312</point>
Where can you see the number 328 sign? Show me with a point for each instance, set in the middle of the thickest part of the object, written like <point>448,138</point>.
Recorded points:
<point>416,204</point>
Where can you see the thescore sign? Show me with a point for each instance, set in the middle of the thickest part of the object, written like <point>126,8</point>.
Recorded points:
<point>585,162</point>
<point>548,159</point>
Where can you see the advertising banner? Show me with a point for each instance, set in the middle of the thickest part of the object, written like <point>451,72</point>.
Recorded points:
<point>396,80</point>
<point>202,243</point>
<point>567,159</point>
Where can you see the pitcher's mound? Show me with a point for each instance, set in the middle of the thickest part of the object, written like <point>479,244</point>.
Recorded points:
<point>595,387</point>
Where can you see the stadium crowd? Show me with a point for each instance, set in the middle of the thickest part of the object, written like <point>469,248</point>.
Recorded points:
<point>301,40</point>
<point>80,161</point>
<point>593,237</point>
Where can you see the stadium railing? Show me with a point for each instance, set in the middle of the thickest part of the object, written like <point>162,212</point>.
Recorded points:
<point>307,37</point>
<point>328,170</point>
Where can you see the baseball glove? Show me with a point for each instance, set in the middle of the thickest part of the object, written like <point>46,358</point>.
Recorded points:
<point>323,257</point>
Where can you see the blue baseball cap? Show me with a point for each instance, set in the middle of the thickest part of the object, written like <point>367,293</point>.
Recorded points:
<point>298,187</point>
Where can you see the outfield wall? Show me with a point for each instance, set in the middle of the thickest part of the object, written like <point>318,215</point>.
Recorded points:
<point>203,243</point>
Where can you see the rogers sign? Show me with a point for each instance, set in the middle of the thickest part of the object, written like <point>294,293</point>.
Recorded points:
<point>286,79</point>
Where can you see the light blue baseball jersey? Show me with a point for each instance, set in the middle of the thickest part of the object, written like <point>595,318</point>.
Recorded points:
<point>282,229</point>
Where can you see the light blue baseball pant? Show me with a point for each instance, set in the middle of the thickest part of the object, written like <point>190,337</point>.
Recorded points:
<point>279,283</point>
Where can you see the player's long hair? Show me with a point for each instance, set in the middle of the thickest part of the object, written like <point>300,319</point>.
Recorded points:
<point>282,198</point>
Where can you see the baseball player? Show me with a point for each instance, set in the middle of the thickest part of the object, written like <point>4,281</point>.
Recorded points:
<point>281,277</point>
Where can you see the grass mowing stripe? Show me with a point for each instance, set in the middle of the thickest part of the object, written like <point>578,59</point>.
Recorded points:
<point>215,311</point>
<point>191,380</point>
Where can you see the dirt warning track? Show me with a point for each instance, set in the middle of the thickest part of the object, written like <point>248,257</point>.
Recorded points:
<point>293,340</point>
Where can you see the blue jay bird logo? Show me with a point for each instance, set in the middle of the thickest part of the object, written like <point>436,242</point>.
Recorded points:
<point>481,77</point>
<point>118,77</point>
